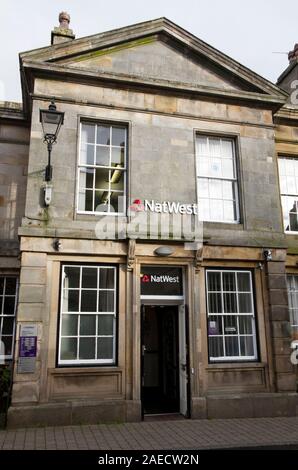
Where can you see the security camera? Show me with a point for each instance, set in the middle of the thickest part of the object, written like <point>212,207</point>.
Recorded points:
<point>57,245</point>
<point>267,255</point>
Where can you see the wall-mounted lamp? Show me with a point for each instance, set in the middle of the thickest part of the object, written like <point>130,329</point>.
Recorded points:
<point>51,121</point>
<point>164,251</point>
<point>267,255</point>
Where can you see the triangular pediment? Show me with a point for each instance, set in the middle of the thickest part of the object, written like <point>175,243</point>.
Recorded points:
<point>158,52</point>
<point>151,58</point>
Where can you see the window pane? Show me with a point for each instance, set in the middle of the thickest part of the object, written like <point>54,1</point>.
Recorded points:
<point>216,347</point>
<point>227,148</point>
<point>101,201</point>
<point>117,180</point>
<point>71,301</point>
<point>247,346</point>
<point>9,306</point>
<point>215,168</point>
<point>214,146</point>
<point>68,349</point>
<point>87,154</point>
<point>7,340</point>
<point>106,301</point>
<point>86,201</point>
<point>87,348</point>
<point>89,278</point>
<point>232,347</point>
<point>105,324</point>
<point>203,166</point>
<point>230,303</point>
<point>87,325</point>
<point>69,325</point>
<point>88,301</point>
<point>227,190</point>
<point>105,348</point>
<point>72,277</point>
<point>106,278</point>
<point>8,325</point>
<point>10,288</point>
<point>245,325</point>
<point>204,209</point>
<point>102,178</point>
<point>1,285</point>
<point>117,156</point>
<point>201,143</point>
<point>214,281</point>
<point>230,322</point>
<point>103,156</point>
<point>103,135</point>
<point>203,187</point>
<point>88,133</point>
<point>227,168</point>
<point>86,178</point>
<point>245,303</point>
<point>216,210</point>
<point>215,189</point>
<point>229,281</point>
<point>215,304</point>
<point>117,202</point>
<point>118,136</point>
<point>214,325</point>
<point>229,211</point>
<point>243,280</point>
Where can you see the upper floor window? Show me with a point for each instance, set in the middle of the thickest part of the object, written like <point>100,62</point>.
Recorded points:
<point>288,179</point>
<point>102,168</point>
<point>8,303</point>
<point>217,179</point>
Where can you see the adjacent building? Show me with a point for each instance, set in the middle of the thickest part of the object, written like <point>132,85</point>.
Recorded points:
<point>116,309</point>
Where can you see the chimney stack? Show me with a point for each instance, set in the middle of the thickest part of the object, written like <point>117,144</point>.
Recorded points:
<point>289,76</point>
<point>62,33</point>
<point>293,55</point>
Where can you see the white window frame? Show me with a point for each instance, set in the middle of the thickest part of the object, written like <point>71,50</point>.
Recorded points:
<point>219,178</point>
<point>290,284</point>
<point>226,358</point>
<point>79,362</point>
<point>284,157</point>
<point>2,315</point>
<point>124,169</point>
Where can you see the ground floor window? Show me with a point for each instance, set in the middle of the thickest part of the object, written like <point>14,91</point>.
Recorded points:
<point>8,304</point>
<point>87,333</point>
<point>292,281</point>
<point>231,318</point>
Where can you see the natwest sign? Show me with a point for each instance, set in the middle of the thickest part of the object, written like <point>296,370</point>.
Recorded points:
<point>157,280</point>
<point>163,278</point>
<point>171,207</point>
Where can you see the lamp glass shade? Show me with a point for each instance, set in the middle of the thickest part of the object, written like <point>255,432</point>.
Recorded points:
<point>51,122</point>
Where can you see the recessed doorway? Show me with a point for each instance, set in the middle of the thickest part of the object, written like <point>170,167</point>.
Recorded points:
<point>164,369</point>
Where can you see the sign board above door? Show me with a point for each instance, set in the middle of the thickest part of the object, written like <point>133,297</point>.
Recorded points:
<point>161,281</point>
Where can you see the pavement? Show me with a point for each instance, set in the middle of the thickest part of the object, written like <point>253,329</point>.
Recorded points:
<point>158,435</point>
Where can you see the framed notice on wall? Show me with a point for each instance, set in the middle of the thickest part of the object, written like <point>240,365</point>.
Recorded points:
<point>27,349</point>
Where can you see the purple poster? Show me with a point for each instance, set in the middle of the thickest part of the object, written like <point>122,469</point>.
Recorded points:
<point>28,346</point>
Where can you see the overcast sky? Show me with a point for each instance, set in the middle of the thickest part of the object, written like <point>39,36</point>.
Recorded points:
<point>249,31</point>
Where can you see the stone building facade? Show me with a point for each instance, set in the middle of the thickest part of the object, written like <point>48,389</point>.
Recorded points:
<point>127,323</point>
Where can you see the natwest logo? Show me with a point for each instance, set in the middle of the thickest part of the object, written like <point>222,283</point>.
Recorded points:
<point>160,279</point>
